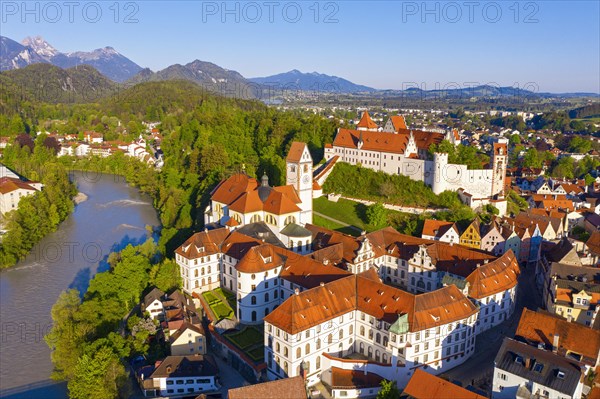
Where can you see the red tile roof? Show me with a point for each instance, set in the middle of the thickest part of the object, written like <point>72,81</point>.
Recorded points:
<point>8,184</point>
<point>423,385</point>
<point>366,121</point>
<point>295,152</point>
<point>286,388</point>
<point>398,121</point>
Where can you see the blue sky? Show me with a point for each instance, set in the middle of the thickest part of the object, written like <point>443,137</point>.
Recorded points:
<point>552,45</point>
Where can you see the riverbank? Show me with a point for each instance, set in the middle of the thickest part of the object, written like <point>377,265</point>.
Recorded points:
<point>114,215</point>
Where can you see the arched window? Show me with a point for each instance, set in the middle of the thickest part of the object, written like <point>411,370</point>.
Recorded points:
<point>412,281</point>
<point>401,273</point>
<point>362,331</point>
<point>385,359</point>
<point>256,218</point>
<point>208,269</point>
<point>203,282</point>
<point>237,218</point>
<point>385,341</point>
<point>285,351</point>
<point>298,353</point>
<point>266,311</point>
<point>341,334</point>
<point>209,279</point>
<point>285,367</point>
<point>277,347</point>
<point>305,168</point>
<point>307,367</point>
<point>196,273</point>
<point>377,355</point>
<point>370,352</point>
<point>362,348</point>
<point>330,339</point>
<point>307,349</point>
<point>196,284</point>
<point>253,315</point>
<point>370,333</point>
<point>378,338</point>
<point>202,272</point>
<point>253,300</point>
<point>290,219</point>
<point>421,284</point>
<point>266,297</point>
<point>351,329</point>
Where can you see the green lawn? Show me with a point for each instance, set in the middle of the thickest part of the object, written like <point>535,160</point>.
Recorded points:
<point>328,224</point>
<point>344,210</point>
<point>246,338</point>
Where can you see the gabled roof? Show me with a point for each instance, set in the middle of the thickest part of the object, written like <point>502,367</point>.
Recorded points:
<point>296,151</point>
<point>423,385</point>
<point>539,366</point>
<point>150,297</point>
<point>366,121</point>
<point>186,366</point>
<point>398,122</point>
<point>185,327</point>
<point>593,243</point>
<point>540,327</point>
<point>286,388</point>
<point>436,228</point>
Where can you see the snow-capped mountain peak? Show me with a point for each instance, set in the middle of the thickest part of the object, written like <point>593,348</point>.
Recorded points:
<point>40,46</point>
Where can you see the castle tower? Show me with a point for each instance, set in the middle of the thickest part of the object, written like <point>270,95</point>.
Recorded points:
<point>440,163</point>
<point>499,161</point>
<point>299,174</point>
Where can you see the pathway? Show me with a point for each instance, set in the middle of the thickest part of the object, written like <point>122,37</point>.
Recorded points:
<point>399,208</point>
<point>337,221</point>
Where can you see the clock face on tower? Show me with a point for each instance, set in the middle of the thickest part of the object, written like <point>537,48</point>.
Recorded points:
<point>305,179</point>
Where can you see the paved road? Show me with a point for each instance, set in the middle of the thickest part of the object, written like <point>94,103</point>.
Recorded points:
<point>337,221</point>
<point>229,377</point>
<point>480,366</point>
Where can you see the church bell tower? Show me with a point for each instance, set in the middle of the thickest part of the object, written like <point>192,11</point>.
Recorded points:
<point>300,175</point>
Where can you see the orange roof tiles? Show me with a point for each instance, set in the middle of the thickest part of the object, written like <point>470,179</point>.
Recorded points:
<point>357,292</point>
<point>540,327</point>
<point>241,193</point>
<point>354,379</point>
<point>398,121</point>
<point>423,385</point>
<point>593,243</point>
<point>366,121</point>
<point>372,141</point>
<point>8,184</point>
<point>295,153</point>
<point>203,243</point>
<point>286,388</point>
<point>494,277</point>
<point>433,227</point>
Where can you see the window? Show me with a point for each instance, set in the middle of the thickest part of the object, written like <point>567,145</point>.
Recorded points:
<point>538,367</point>
<point>266,297</point>
<point>253,315</point>
<point>253,300</point>
<point>298,353</point>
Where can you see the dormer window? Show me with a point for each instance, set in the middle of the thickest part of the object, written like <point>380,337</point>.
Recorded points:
<point>560,374</point>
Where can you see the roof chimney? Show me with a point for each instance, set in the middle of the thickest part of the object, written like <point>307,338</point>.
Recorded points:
<point>555,343</point>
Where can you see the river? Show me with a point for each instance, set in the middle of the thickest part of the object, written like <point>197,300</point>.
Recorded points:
<point>114,215</point>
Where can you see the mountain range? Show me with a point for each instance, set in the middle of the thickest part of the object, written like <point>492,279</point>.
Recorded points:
<point>120,69</point>
<point>35,50</point>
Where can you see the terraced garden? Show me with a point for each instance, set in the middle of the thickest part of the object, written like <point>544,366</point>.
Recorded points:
<point>220,304</point>
<point>250,340</point>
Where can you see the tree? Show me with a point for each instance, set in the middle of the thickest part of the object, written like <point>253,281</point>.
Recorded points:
<point>389,390</point>
<point>515,139</point>
<point>387,189</point>
<point>97,376</point>
<point>376,215</point>
<point>532,159</point>
<point>589,179</point>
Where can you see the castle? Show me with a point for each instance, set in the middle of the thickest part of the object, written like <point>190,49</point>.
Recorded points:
<point>397,150</point>
<point>380,305</point>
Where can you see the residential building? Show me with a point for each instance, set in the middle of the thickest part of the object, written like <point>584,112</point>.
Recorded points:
<point>524,371</point>
<point>180,376</point>
<point>14,187</point>
<point>189,339</point>
<point>573,292</point>
<point>491,238</point>
<point>471,237</point>
<point>567,339</point>
<point>439,230</point>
